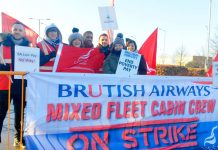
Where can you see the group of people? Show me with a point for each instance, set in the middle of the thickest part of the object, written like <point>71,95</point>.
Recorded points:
<point>48,49</point>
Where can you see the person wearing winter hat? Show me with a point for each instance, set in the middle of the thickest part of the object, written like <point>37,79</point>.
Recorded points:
<point>88,39</point>
<point>76,39</point>
<point>111,62</point>
<point>103,44</point>
<point>49,46</point>
<point>132,47</point>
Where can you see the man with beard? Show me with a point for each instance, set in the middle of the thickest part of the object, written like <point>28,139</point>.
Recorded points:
<point>16,37</point>
<point>88,39</point>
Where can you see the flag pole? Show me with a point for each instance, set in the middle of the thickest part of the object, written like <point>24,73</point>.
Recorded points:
<point>110,32</point>
<point>208,40</point>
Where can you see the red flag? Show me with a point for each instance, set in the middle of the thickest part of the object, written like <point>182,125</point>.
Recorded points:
<point>149,51</point>
<point>209,73</point>
<point>8,21</point>
<point>85,60</point>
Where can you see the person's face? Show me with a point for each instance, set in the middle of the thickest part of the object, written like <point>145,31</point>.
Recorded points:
<point>18,31</point>
<point>131,47</point>
<point>88,37</point>
<point>118,47</point>
<point>53,35</point>
<point>103,40</point>
<point>76,43</point>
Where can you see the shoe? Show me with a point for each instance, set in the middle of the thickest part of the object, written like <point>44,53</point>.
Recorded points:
<point>17,143</point>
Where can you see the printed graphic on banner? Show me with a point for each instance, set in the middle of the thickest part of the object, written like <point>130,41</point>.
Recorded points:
<point>108,18</point>
<point>215,74</point>
<point>133,112</point>
<point>128,63</point>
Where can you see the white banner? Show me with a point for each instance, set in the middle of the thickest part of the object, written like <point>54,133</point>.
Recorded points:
<point>108,18</point>
<point>107,110</point>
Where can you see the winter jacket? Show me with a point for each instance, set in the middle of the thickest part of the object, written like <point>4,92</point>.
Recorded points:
<point>111,62</point>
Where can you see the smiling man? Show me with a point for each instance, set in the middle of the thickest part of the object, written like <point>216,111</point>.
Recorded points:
<point>16,37</point>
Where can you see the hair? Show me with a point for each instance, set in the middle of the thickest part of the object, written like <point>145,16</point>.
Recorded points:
<point>131,41</point>
<point>87,32</point>
<point>103,34</point>
<point>18,23</point>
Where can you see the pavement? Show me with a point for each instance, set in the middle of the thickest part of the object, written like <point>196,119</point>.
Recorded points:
<point>4,134</point>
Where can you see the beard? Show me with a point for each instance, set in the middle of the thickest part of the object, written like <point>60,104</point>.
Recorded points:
<point>88,44</point>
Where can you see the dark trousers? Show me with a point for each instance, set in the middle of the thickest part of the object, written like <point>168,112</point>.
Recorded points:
<point>17,99</point>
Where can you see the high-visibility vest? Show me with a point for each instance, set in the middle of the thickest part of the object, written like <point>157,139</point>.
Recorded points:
<point>5,57</point>
<point>47,49</point>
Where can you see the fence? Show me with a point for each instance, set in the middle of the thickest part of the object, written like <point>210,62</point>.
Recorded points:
<point>10,74</point>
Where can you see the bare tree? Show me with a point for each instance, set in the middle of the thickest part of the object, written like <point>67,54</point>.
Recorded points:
<point>214,45</point>
<point>180,55</point>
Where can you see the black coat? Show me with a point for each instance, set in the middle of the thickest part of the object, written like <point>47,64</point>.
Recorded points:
<point>111,62</point>
<point>16,85</point>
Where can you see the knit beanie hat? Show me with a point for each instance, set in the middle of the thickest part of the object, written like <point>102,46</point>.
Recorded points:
<point>52,27</point>
<point>75,35</point>
<point>119,40</point>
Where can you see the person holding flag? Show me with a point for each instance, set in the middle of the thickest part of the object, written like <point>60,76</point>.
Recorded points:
<point>76,39</point>
<point>49,46</point>
<point>17,37</point>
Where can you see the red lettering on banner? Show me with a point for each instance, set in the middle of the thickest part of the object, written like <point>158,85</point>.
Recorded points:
<point>74,138</point>
<point>66,112</point>
<point>167,108</point>
<point>130,109</point>
<point>75,113</point>
<point>135,109</point>
<point>170,134</point>
<point>85,110</point>
<point>126,109</point>
<point>129,138</point>
<point>153,105</point>
<point>103,143</point>
<point>118,115</point>
<point>110,109</point>
<point>143,104</point>
<point>91,93</point>
<point>54,114</point>
<point>191,132</point>
<point>96,111</point>
<point>201,106</point>
<point>177,131</point>
<point>145,134</point>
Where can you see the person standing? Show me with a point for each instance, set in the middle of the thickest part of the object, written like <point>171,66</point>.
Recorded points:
<point>103,44</point>
<point>49,46</point>
<point>75,39</point>
<point>111,62</point>
<point>88,39</point>
<point>132,47</point>
<point>17,37</point>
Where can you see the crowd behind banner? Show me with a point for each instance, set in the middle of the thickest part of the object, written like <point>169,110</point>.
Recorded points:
<point>48,50</point>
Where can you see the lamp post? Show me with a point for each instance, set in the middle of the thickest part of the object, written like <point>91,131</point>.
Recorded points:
<point>39,20</point>
<point>208,40</point>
